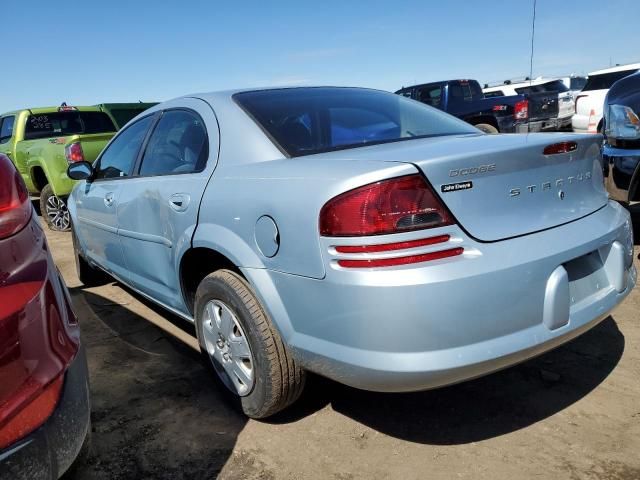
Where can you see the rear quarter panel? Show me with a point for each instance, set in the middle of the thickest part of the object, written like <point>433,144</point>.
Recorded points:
<point>291,192</point>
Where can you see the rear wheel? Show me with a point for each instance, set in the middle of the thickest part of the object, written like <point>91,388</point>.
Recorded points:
<point>54,210</point>
<point>244,347</point>
<point>487,128</point>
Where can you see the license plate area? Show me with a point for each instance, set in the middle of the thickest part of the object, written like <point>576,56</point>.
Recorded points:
<point>587,277</point>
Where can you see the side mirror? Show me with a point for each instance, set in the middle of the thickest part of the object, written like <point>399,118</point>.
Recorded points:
<point>80,171</point>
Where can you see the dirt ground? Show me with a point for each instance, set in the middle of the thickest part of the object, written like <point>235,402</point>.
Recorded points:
<point>158,411</point>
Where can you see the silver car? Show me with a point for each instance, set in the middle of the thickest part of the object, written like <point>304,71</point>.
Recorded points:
<point>353,233</point>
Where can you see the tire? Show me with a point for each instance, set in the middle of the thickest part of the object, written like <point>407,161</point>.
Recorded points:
<point>54,210</point>
<point>89,276</point>
<point>487,128</point>
<point>277,380</point>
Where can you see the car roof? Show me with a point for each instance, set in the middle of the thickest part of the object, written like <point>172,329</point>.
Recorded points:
<point>617,68</point>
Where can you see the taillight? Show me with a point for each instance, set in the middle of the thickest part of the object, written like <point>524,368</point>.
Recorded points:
<point>32,415</point>
<point>396,205</point>
<point>15,207</point>
<point>74,153</point>
<point>562,147</point>
<point>521,110</point>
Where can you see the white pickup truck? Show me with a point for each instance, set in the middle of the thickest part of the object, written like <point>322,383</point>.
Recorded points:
<point>537,85</point>
<point>588,114</point>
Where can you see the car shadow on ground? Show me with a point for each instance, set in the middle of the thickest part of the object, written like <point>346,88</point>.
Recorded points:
<point>157,410</point>
<point>480,409</point>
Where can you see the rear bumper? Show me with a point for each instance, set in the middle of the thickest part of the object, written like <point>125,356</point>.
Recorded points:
<point>550,124</point>
<point>622,172</point>
<point>421,327</point>
<point>49,451</point>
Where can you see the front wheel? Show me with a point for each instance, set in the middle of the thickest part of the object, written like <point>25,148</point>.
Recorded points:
<point>244,347</point>
<point>54,210</point>
<point>486,128</point>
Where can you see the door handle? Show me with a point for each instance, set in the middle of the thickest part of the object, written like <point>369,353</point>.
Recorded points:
<point>179,201</point>
<point>108,199</point>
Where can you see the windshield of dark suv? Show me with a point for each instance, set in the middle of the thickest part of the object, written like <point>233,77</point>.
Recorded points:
<point>304,121</point>
<point>58,124</point>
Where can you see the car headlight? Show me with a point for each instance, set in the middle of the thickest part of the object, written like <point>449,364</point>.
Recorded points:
<point>622,123</point>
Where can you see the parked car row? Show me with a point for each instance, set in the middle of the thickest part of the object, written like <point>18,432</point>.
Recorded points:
<point>514,113</point>
<point>327,230</point>
<point>43,141</point>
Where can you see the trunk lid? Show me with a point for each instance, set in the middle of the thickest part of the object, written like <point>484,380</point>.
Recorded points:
<point>502,186</point>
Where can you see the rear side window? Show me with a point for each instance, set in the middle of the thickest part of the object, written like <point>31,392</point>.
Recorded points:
<point>464,90</point>
<point>605,80</point>
<point>496,93</point>
<point>304,121</point>
<point>548,87</point>
<point>178,144</point>
<point>120,155</point>
<point>6,128</point>
<point>431,95</point>
<point>57,124</point>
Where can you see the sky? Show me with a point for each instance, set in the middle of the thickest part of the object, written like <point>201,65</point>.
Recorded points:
<point>88,52</point>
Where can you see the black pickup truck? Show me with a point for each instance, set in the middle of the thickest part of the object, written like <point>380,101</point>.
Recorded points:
<point>465,100</point>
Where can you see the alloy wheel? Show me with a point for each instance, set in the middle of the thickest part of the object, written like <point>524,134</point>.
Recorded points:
<point>57,213</point>
<point>228,347</point>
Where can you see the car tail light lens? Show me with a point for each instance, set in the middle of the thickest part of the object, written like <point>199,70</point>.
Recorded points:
<point>562,147</point>
<point>74,152</point>
<point>390,206</point>
<point>32,415</point>
<point>15,207</point>
<point>396,261</point>
<point>390,247</point>
<point>521,110</point>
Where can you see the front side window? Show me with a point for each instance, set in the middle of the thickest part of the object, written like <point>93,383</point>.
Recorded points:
<point>304,121</point>
<point>6,128</point>
<point>58,124</point>
<point>119,157</point>
<point>178,144</point>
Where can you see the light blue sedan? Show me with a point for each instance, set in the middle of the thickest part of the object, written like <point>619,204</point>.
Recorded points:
<point>353,233</point>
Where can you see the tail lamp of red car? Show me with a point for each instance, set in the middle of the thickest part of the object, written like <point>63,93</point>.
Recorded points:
<point>521,110</point>
<point>397,205</point>
<point>73,152</point>
<point>15,206</point>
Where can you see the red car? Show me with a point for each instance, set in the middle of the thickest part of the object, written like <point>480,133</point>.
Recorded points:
<point>44,390</point>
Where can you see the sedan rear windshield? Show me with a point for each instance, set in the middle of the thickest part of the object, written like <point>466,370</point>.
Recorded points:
<point>604,81</point>
<point>304,121</point>
<point>57,124</point>
<point>554,86</point>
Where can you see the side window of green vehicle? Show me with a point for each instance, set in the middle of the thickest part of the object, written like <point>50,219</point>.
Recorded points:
<point>118,159</point>
<point>6,128</point>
